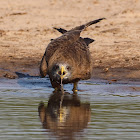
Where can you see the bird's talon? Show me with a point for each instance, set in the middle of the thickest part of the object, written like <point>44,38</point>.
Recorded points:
<point>55,90</point>
<point>75,90</point>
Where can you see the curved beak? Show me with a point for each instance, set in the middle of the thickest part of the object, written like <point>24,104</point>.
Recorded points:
<point>62,72</point>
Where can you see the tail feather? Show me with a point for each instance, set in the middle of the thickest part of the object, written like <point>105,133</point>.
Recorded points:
<point>84,26</point>
<point>81,27</point>
<point>93,22</point>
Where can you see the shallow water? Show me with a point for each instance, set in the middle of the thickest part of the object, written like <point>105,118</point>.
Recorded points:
<point>99,111</point>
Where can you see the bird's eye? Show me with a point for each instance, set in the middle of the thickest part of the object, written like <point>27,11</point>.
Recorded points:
<point>68,68</point>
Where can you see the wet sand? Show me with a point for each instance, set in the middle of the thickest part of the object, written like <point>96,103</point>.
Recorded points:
<point>26,28</point>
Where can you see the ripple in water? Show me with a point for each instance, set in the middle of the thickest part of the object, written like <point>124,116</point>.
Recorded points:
<point>30,110</point>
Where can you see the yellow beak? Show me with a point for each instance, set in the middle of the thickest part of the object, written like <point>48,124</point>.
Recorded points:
<point>62,71</point>
<point>62,115</point>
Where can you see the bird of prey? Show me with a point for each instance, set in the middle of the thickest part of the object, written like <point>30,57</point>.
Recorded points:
<point>67,58</point>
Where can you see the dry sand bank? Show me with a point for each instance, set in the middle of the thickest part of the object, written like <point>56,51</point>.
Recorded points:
<point>26,29</point>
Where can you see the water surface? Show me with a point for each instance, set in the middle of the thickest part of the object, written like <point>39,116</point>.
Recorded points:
<point>99,111</point>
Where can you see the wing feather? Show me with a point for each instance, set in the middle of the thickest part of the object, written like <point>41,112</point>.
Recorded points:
<point>43,67</point>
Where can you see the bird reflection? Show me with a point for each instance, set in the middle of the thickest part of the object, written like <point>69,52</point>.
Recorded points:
<point>64,115</point>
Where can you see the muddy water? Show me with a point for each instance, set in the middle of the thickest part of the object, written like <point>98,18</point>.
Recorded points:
<point>30,110</point>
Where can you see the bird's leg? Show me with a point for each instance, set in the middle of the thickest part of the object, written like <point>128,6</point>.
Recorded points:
<point>55,90</point>
<point>55,85</point>
<point>75,87</point>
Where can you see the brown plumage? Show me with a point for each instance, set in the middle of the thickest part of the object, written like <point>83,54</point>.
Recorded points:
<point>64,115</point>
<point>67,58</point>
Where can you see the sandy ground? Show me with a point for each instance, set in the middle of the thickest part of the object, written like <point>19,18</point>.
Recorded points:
<point>26,29</point>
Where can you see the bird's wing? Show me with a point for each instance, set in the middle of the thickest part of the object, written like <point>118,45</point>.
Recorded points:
<point>88,40</point>
<point>43,67</point>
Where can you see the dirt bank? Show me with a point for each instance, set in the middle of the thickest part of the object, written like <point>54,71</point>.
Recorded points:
<point>26,29</point>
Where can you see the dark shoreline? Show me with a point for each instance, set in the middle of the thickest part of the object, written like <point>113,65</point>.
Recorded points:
<point>112,75</point>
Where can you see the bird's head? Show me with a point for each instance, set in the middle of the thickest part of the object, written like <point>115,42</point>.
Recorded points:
<point>61,72</point>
